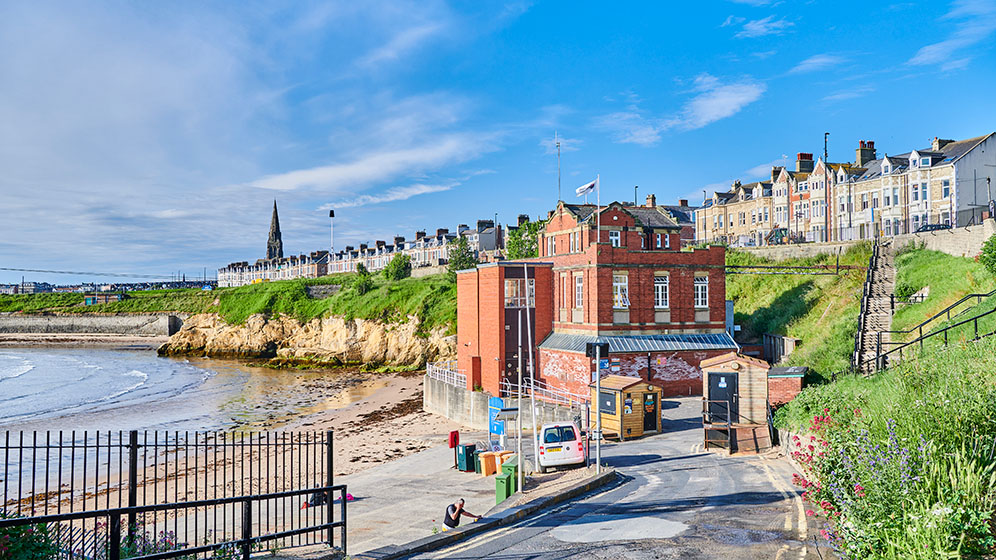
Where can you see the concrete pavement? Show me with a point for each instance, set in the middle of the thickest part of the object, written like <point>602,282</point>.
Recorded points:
<point>676,502</point>
<point>403,500</point>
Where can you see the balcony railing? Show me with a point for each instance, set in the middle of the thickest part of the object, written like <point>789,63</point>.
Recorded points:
<point>446,372</point>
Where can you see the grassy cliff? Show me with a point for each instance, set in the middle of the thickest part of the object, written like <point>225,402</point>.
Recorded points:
<point>432,299</point>
<point>822,310</point>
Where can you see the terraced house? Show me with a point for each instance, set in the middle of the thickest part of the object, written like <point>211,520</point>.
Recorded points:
<point>947,184</point>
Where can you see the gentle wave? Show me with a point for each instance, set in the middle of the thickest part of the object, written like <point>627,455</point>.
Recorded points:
<point>16,371</point>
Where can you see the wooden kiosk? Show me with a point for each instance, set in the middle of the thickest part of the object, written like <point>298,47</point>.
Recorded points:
<point>735,403</point>
<point>630,406</point>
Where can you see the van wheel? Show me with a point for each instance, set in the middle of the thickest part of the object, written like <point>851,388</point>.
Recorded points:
<point>543,470</point>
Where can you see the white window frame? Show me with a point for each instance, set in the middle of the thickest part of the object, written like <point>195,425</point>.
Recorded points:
<point>667,241</point>
<point>615,238</point>
<point>700,287</point>
<point>514,298</point>
<point>662,292</point>
<point>658,241</point>
<point>578,291</point>
<point>620,291</point>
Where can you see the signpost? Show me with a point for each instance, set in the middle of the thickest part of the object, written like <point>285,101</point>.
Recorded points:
<point>595,350</point>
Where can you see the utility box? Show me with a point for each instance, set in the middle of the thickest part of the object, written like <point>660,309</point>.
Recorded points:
<point>465,457</point>
<point>511,468</point>
<point>630,406</point>
<point>735,403</point>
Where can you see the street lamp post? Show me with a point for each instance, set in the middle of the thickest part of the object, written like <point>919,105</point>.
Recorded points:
<point>826,190</point>
<point>331,239</point>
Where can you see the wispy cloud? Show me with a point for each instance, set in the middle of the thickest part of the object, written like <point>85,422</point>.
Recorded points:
<point>975,21</point>
<point>549,145</point>
<point>372,167</point>
<point>390,195</point>
<point>714,101</point>
<point>850,93</point>
<point>401,43</point>
<point>733,20</point>
<point>763,171</point>
<point>764,26</point>
<point>817,62</point>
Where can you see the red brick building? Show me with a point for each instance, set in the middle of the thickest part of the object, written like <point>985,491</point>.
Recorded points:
<point>625,282</point>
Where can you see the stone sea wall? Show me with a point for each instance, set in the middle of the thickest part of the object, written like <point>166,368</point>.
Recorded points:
<point>131,324</point>
<point>322,339</point>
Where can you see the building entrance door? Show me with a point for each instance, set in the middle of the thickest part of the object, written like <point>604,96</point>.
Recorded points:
<point>722,397</point>
<point>650,412</point>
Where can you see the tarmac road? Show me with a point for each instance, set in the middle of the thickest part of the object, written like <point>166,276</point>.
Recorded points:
<point>674,501</point>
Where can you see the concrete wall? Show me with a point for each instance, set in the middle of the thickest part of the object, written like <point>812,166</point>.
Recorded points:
<point>124,324</point>
<point>470,408</point>
<point>419,272</point>
<point>960,242</point>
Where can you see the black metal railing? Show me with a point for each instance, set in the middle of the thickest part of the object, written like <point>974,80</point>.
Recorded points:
<point>111,540</point>
<point>196,473</point>
<point>945,313</point>
<point>881,359</point>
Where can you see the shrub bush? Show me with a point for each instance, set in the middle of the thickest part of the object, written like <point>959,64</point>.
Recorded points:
<point>26,542</point>
<point>399,268</point>
<point>988,255</point>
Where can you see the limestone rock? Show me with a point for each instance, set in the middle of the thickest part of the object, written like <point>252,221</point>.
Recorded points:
<point>355,340</point>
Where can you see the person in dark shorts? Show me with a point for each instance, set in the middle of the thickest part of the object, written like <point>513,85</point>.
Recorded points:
<point>453,512</point>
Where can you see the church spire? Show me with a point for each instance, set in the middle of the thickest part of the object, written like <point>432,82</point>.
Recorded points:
<point>274,245</point>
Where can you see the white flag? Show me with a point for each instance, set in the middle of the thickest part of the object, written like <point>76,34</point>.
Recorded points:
<point>587,188</point>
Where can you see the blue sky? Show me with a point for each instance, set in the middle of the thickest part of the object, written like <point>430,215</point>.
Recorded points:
<point>150,138</point>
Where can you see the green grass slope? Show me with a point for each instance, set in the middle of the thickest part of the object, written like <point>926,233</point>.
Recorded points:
<point>949,277</point>
<point>901,464</point>
<point>820,310</point>
<point>432,299</point>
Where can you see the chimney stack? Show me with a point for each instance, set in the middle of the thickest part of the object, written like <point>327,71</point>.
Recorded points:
<point>419,234</point>
<point>462,228</point>
<point>939,143</point>
<point>864,153</point>
<point>523,219</point>
<point>804,162</point>
<point>380,244</point>
<point>363,247</point>
<point>651,201</point>
<point>399,241</point>
<point>775,172</point>
<point>442,231</point>
<point>484,224</point>
<point>683,202</point>
<point>349,248</point>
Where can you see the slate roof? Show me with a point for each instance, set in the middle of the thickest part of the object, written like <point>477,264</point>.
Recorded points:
<point>641,343</point>
<point>651,217</point>
<point>681,214</point>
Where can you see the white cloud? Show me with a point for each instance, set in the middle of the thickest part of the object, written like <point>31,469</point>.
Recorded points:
<point>850,93</point>
<point>733,20</point>
<point>816,62</point>
<point>401,43</point>
<point>764,26</point>
<point>549,145</point>
<point>763,171</point>
<point>373,167</point>
<point>718,101</point>
<point>714,101</point>
<point>976,21</point>
<point>390,195</point>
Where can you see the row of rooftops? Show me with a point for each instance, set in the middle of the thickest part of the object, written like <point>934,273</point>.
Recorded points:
<point>292,260</point>
<point>867,166</point>
<point>650,214</point>
<point>421,240</point>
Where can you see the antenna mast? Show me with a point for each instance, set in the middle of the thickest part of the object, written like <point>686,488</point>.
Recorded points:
<point>556,139</point>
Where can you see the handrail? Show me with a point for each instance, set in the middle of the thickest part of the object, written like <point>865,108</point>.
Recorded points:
<point>878,359</point>
<point>946,310</point>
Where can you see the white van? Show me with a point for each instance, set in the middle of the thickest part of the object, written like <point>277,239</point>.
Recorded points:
<point>560,443</point>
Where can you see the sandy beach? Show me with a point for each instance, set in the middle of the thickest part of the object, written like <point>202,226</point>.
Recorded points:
<point>387,424</point>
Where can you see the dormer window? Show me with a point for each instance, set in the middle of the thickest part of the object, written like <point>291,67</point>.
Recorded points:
<point>925,162</point>
<point>885,169</point>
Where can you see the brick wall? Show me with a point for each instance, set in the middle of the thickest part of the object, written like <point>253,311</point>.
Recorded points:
<point>676,373</point>
<point>783,389</point>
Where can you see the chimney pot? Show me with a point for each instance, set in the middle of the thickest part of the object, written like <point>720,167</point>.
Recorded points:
<point>682,202</point>
<point>651,201</point>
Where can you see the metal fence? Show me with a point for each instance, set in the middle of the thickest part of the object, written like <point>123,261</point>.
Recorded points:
<point>542,392</point>
<point>204,482</point>
<point>446,372</point>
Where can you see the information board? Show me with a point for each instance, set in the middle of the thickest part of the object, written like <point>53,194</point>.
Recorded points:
<point>496,427</point>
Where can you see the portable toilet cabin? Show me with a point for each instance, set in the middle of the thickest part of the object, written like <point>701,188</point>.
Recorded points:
<point>735,403</point>
<point>630,406</point>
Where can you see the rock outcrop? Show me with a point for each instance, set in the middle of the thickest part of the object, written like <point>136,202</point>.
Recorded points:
<point>322,339</point>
